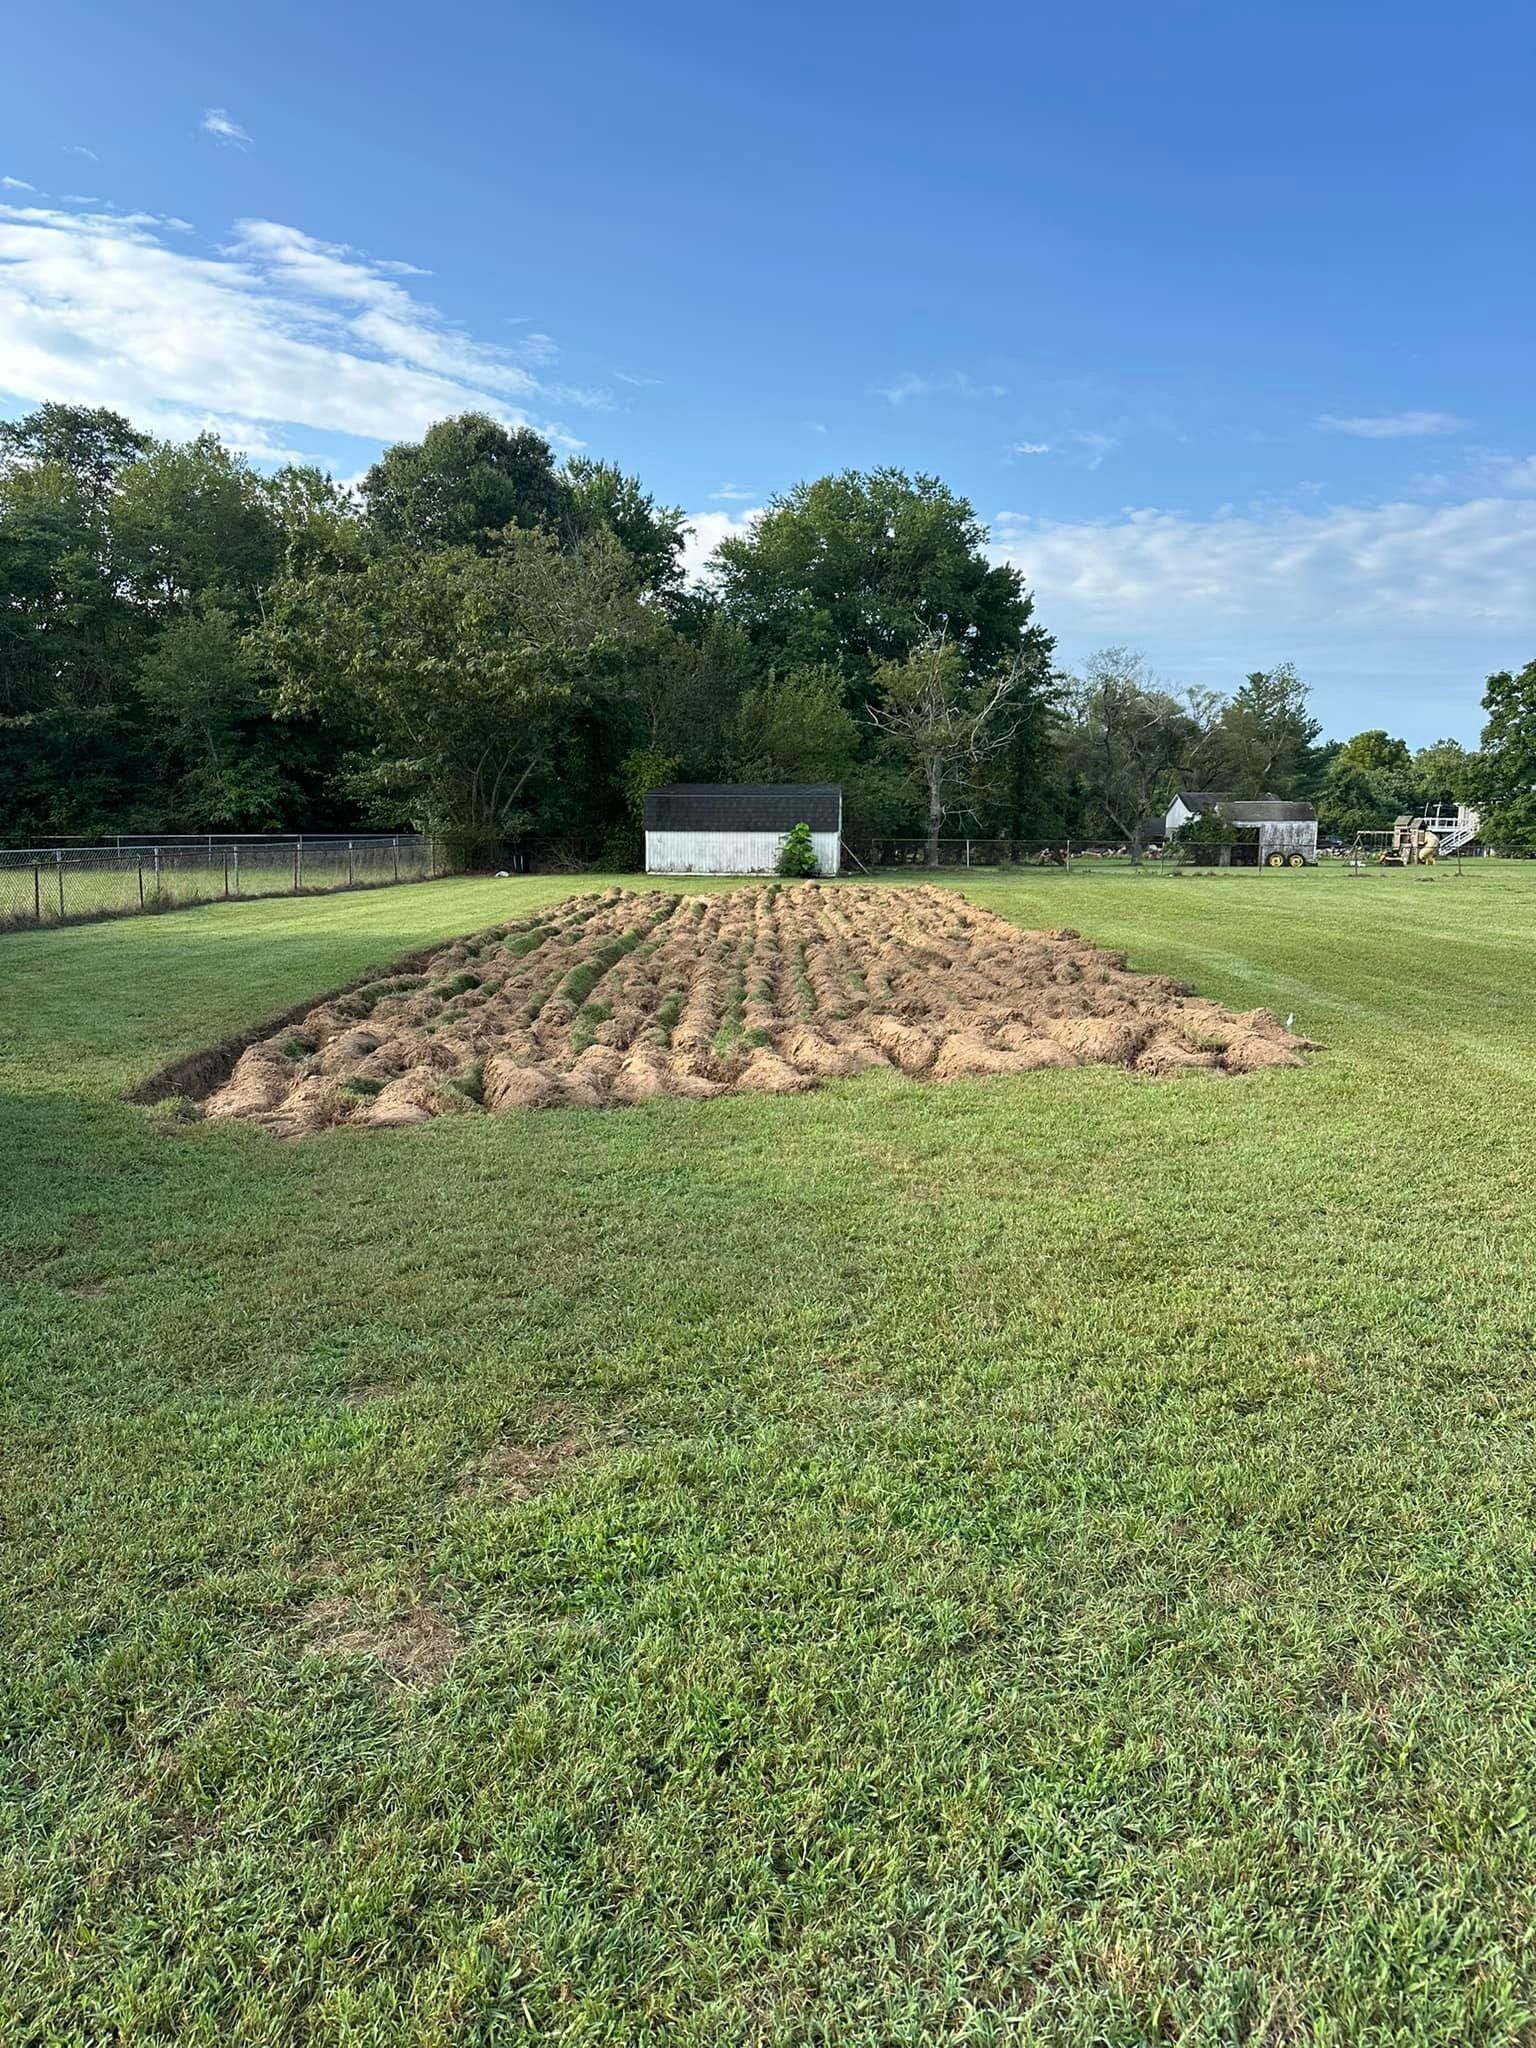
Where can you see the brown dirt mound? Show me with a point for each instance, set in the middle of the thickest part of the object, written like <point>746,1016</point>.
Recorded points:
<point>621,997</point>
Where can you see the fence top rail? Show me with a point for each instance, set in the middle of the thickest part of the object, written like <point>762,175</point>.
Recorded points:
<point>260,838</point>
<point>201,843</point>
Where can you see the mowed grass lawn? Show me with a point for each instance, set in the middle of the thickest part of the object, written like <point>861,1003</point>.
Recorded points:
<point>1041,1560</point>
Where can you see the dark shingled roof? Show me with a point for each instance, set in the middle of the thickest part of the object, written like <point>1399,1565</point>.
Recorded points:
<point>1200,800</point>
<point>1266,810</point>
<point>744,807</point>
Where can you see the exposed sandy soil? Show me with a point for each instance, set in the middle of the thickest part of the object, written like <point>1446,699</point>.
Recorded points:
<point>413,1648</point>
<point>610,999</point>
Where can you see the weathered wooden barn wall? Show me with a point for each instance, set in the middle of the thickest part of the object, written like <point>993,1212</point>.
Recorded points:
<point>1288,835</point>
<point>729,853</point>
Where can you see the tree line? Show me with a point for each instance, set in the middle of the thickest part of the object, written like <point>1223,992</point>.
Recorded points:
<point>500,648</point>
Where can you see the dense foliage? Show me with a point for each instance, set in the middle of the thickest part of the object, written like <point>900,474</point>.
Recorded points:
<point>500,648</point>
<point>797,856</point>
<point>1506,775</point>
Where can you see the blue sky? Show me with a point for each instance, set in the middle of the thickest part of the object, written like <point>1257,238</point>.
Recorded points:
<point>1221,317</point>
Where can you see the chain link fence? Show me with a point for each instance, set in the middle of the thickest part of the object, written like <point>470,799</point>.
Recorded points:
<point>988,853</point>
<point>59,884</point>
<point>1076,854</point>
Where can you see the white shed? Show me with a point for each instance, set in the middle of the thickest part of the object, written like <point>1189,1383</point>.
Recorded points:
<point>1189,804</point>
<point>738,828</point>
<point>1275,832</point>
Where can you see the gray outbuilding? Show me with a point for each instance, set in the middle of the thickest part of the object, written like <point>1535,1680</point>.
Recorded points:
<point>1273,831</point>
<point>739,828</point>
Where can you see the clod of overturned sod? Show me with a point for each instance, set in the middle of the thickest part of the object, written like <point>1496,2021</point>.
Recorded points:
<point>613,998</point>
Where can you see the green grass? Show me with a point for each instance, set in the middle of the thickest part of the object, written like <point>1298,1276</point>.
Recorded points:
<point>1045,1560</point>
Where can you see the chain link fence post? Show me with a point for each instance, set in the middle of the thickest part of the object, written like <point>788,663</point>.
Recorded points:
<point>59,858</point>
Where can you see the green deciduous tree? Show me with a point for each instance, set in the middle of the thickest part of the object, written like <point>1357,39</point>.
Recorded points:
<point>1367,784</point>
<point>1133,741</point>
<point>462,483</point>
<point>795,728</point>
<point>319,524</point>
<point>856,570</point>
<point>202,684</point>
<point>1507,776</point>
<point>70,642</point>
<point>940,723</point>
<point>459,670</point>
<point>1445,774</point>
<point>600,495</point>
<point>91,443</point>
<point>192,520</point>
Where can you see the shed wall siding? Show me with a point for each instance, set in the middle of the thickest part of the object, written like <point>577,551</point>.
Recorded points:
<point>1178,816</point>
<point>729,853</point>
<point>1289,835</point>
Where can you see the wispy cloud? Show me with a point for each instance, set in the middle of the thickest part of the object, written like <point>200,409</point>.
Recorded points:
<point>736,492</point>
<point>17,185</point>
<point>274,332</point>
<point>1096,446</point>
<point>1433,593</point>
<point>817,426</point>
<point>625,378</point>
<point>79,149</point>
<point>1088,446</point>
<point>946,383</point>
<point>1390,426</point>
<point>216,122</point>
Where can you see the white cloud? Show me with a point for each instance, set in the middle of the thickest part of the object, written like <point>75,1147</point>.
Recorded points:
<point>17,185</point>
<point>278,330</point>
<point>735,491</point>
<point>948,383</point>
<point>625,378</point>
<point>79,149</point>
<point>1391,426</point>
<point>704,533</point>
<point>216,122</point>
<point>817,426</point>
<point>1096,447</point>
<point>1418,600</point>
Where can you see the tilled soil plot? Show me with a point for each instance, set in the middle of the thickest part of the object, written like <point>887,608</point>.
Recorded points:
<point>610,999</point>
